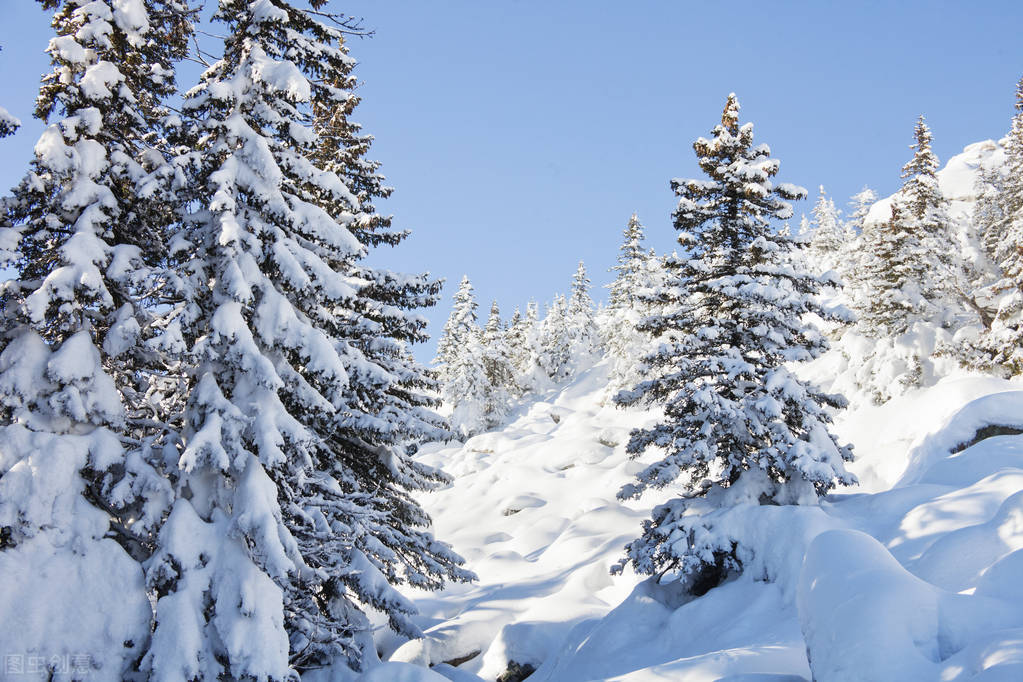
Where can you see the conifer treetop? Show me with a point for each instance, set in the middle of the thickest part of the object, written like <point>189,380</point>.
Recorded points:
<point>738,197</point>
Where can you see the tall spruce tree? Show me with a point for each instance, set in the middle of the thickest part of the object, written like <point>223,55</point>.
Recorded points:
<point>292,481</point>
<point>860,203</point>
<point>858,237</point>
<point>81,237</point>
<point>738,425</point>
<point>461,353</point>
<point>912,271</point>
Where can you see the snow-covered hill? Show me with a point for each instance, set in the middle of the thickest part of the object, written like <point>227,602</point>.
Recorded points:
<point>913,576</point>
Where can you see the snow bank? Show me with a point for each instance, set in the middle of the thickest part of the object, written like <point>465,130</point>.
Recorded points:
<point>864,617</point>
<point>1000,409</point>
<point>82,611</point>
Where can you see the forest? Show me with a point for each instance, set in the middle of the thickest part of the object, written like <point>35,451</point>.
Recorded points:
<point>789,449</point>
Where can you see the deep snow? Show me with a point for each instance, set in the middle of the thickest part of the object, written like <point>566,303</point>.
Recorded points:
<point>913,575</point>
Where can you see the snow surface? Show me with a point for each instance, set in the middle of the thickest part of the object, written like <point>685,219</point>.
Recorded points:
<point>913,575</point>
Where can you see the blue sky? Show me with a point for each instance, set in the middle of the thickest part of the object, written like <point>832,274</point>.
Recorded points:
<point>521,135</point>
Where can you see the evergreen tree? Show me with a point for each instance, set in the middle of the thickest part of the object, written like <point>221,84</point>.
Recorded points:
<point>926,211</point>
<point>468,391</point>
<point>8,123</point>
<point>555,341</point>
<point>1006,230</point>
<point>524,343</point>
<point>630,263</point>
<point>515,332</point>
<point>857,238</point>
<point>828,237</point>
<point>860,203</point>
<point>738,425</point>
<point>291,478</point>
<point>987,209</point>
<point>498,369</point>
<point>584,336</point>
<point>893,275</point>
<point>1003,236</point>
<point>81,237</point>
<point>635,293</point>
<point>478,377</point>
<point>460,328</point>
<point>912,272</point>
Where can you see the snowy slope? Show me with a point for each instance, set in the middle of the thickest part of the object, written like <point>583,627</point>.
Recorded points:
<point>915,575</point>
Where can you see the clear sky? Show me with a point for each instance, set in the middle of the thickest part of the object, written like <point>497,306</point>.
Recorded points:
<point>521,135</point>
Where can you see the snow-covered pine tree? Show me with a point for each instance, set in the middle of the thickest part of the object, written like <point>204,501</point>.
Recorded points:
<point>739,427</point>
<point>857,256</point>
<point>387,301</point>
<point>926,210</point>
<point>498,368</point>
<point>515,332</point>
<point>461,327</point>
<point>828,238</point>
<point>1002,344</point>
<point>555,341</point>
<point>912,267</point>
<point>467,390</point>
<point>892,273</point>
<point>630,262</point>
<point>582,326</point>
<point>391,401</point>
<point>860,204</point>
<point>292,508</point>
<point>80,239</point>
<point>987,209</point>
<point>516,338</point>
<point>525,347</point>
<point>634,294</point>
<point>461,353</point>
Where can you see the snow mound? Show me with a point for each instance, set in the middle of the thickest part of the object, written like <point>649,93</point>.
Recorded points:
<point>990,415</point>
<point>62,602</point>
<point>865,617</point>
